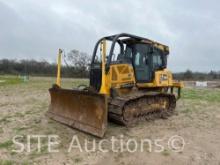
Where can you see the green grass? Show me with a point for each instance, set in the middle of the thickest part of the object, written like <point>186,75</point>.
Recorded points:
<point>74,83</point>
<point>209,95</point>
<point>10,80</point>
<point>35,153</point>
<point>77,160</point>
<point>10,162</point>
<point>5,119</point>
<point>166,152</point>
<point>6,162</point>
<point>1,130</point>
<point>187,110</point>
<point>20,115</point>
<point>19,129</point>
<point>25,163</point>
<point>7,144</point>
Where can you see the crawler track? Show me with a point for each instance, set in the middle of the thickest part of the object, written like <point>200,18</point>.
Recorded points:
<point>128,110</point>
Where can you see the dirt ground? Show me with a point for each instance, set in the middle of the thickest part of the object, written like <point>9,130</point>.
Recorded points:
<point>22,114</point>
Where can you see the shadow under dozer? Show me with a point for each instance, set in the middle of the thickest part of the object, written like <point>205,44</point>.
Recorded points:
<point>83,110</point>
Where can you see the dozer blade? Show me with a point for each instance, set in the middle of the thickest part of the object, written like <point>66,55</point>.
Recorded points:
<point>79,109</point>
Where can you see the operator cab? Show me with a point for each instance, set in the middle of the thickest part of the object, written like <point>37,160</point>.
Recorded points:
<point>146,56</point>
<point>145,60</point>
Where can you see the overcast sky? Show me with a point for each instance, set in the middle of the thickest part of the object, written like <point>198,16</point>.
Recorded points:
<point>37,28</point>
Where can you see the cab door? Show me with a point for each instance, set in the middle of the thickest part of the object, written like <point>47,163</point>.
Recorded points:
<point>141,63</point>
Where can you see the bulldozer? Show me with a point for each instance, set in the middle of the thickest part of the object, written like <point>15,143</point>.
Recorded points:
<point>128,82</point>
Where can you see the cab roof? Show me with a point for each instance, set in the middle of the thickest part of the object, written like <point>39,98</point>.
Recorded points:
<point>130,38</point>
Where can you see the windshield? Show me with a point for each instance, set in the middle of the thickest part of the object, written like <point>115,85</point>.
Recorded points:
<point>157,60</point>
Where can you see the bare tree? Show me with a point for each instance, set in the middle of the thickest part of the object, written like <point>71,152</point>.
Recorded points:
<point>79,60</point>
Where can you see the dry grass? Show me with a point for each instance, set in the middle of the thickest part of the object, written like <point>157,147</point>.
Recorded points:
<point>23,106</point>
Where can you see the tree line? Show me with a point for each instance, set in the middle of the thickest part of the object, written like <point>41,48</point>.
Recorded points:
<point>190,75</point>
<point>76,65</point>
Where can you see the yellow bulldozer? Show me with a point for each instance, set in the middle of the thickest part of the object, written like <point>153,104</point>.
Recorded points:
<point>129,82</point>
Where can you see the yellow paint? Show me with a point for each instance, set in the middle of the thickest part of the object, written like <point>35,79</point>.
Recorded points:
<point>104,89</point>
<point>121,75</point>
<point>118,75</point>
<point>162,78</point>
<point>157,45</point>
<point>58,82</point>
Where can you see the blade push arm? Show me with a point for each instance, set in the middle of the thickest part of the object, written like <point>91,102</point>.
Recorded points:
<point>58,82</point>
